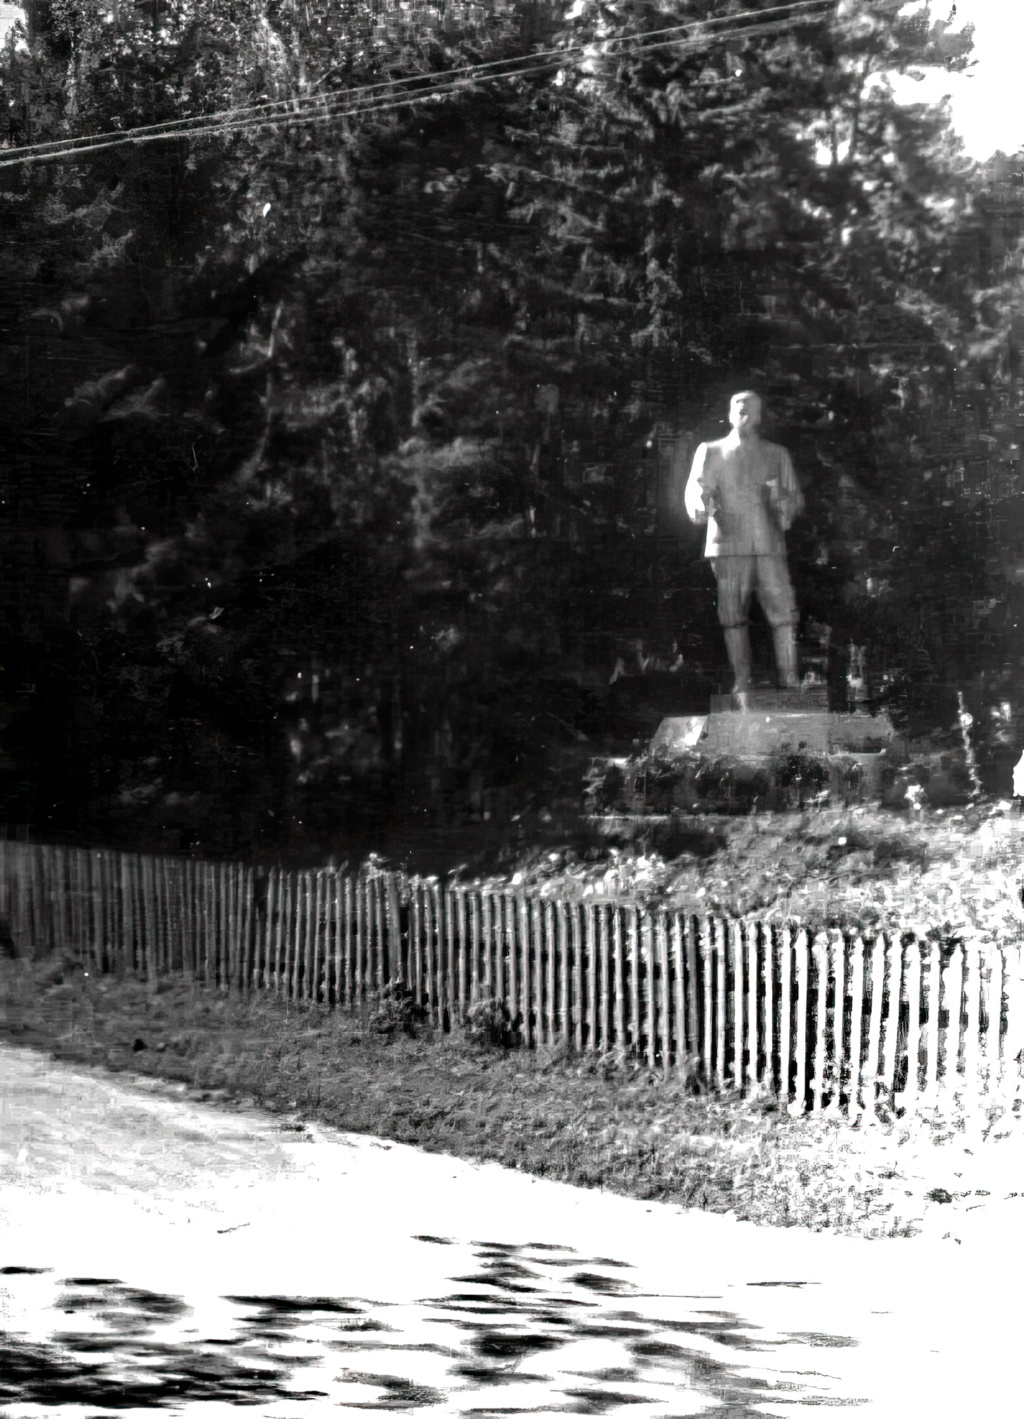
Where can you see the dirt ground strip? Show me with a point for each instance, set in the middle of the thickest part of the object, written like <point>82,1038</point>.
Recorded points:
<point>157,1252</point>
<point>578,1121</point>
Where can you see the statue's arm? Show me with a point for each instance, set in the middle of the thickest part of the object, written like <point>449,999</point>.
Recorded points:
<point>698,494</point>
<point>790,502</point>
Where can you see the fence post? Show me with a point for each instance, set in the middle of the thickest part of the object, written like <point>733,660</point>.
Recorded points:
<point>537,974</point>
<point>650,995</point>
<point>785,1011</point>
<point>736,937</point>
<point>604,953</point>
<point>769,944</point>
<point>1014,1042</point>
<point>619,978</point>
<point>670,957</point>
<point>994,1002</point>
<point>721,997</point>
<point>687,989</point>
<point>803,1010</point>
<point>931,1079</point>
<point>820,956</point>
<point>873,1063</point>
<point>520,951</point>
<point>837,952</point>
<point>894,1003</point>
<point>589,960</point>
<point>562,910</point>
<point>854,1102</point>
<point>749,931</point>
<point>954,1020</point>
<point>446,910</point>
<point>551,965</point>
<point>634,978</point>
<point>703,934</point>
<point>350,944</point>
<point>490,937</point>
<point>911,1086</point>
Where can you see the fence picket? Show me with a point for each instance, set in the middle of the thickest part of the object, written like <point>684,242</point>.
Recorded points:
<point>590,971</point>
<point>819,960</point>
<point>332,937</point>
<point>855,1025</point>
<point>721,998</point>
<point>537,973</point>
<point>752,963</point>
<point>994,1004</point>
<point>565,1022</point>
<point>446,909</point>
<point>551,964</point>
<point>376,966</point>
<point>954,984</point>
<point>275,930</point>
<point>664,1031</point>
<point>465,947</point>
<point>649,1022</point>
<point>785,1011</point>
<point>893,1011</point>
<point>604,951</point>
<point>619,978</point>
<point>837,954</point>
<point>803,972</point>
<point>931,1078</point>
<point>688,992</point>
<point>476,947</point>
<point>416,962</point>
<point>738,1001</point>
<point>322,940</point>
<point>162,887</point>
<point>506,961</point>
<point>769,952</point>
<point>574,921</point>
<point>913,978</point>
<point>294,926</point>
<point>1013,1042</point>
<point>484,924</point>
<point>973,1077</point>
<point>519,940</point>
<point>873,1061</point>
<point>305,934</point>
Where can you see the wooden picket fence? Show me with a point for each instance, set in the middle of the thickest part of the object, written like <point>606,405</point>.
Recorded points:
<point>835,1019</point>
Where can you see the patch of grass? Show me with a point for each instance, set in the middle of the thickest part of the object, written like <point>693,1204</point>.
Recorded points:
<point>863,867</point>
<point>592,1121</point>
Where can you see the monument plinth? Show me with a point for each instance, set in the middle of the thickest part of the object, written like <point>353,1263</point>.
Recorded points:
<point>764,723</point>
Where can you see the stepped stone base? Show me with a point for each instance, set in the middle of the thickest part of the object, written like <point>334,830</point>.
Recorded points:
<point>774,722</point>
<point>809,697</point>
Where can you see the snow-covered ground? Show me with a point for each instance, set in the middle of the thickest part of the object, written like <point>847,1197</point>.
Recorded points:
<point>157,1253</point>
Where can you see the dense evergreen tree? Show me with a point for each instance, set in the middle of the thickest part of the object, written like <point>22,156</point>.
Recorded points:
<point>361,414</point>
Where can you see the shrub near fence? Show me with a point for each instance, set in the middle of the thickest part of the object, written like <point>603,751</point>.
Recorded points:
<point>832,1019</point>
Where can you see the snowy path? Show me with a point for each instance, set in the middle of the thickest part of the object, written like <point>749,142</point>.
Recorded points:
<point>158,1254</point>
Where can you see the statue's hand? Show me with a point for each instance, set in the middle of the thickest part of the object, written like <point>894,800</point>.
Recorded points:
<point>776,502</point>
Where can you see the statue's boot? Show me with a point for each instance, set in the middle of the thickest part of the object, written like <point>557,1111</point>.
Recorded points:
<point>737,647</point>
<point>786,656</point>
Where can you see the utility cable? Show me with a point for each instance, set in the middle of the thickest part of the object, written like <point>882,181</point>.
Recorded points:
<point>369,99</point>
<point>295,104</point>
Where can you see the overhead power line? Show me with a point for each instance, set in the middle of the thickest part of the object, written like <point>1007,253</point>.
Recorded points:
<point>390,95</point>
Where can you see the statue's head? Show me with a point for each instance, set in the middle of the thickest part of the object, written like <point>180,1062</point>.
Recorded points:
<point>745,411</point>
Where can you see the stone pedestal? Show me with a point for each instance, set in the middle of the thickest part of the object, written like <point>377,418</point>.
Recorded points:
<point>772,722</point>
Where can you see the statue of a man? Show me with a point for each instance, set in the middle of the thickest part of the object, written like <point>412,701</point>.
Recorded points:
<point>745,489</point>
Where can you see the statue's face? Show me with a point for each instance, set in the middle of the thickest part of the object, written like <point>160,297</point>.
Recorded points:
<point>744,412</point>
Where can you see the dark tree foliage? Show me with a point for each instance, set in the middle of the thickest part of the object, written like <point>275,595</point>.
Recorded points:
<point>368,427</point>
